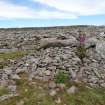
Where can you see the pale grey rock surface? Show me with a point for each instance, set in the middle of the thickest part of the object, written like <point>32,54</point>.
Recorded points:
<point>72,90</point>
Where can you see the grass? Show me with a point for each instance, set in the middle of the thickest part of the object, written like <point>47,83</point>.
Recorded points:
<point>3,91</point>
<point>61,77</point>
<point>31,94</point>
<point>11,55</point>
<point>36,93</point>
<point>86,97</point>
<point>81,52</point>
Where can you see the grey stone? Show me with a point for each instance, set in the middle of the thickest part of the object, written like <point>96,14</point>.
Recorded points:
<point>73,74</point>
<point>12,88</point>
<point>61,86</point>
<point>72,90</point>
<point>47,72</point>
<point>94,80</point>
<point>58,100</point>
<point>46,78</point>
<point>21,102</point>
<point>8,71</point>
<point>52,92</point>
<point>97,73</point>
<point>47,60</point>
<point>3,83</point>
<point>4,97</point>
<point>15,76</point>
<point>103,85</point>
<point>100,48</point>
<point>52,85</point>
<point>20,70</point>
<point>91,42</point>
<point>52,68</point>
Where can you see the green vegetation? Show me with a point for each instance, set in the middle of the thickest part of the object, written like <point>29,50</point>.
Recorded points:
<point>81,52</point>
<point>86,96</point>
<point>36,93</point>
<point>3,91</point>
<point>11,55</point>
<point>1,66</point>
<point>31,93</point>
<point>61,77</point>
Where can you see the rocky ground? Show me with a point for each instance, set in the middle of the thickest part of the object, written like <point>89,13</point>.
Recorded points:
<point>41,53</point>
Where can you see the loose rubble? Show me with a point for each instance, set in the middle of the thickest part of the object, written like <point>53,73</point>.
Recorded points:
<point>44,63</point>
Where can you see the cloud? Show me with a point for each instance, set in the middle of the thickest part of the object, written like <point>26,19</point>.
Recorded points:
<point>63,9</point>
<point>14,11</point>
<point>44,14</point>
<point>77,7</point>
<point>8,10</point>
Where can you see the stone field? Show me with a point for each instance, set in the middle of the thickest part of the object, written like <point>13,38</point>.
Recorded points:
<point>41,53</point>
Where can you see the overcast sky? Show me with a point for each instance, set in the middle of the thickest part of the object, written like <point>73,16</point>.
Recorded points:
<point>37,13</point>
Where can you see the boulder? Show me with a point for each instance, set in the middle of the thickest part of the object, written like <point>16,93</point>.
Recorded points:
<point>54,42</point>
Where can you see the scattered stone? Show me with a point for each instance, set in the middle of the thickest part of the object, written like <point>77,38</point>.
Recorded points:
<point>19,70</point>
<point>61,86</point>
<point>91,42</point>
<point>8,71</point>
<point>12,88</point>
<point>52,92</point>
<point>47,72</point>
<point>103,85</point>
<point>21,102</point>
<point>52,85</point>
<point>100,48</point>
<point>58,100</point>
<point>72,90</point>
<point>97,73</point>
<point>15,76</point>
<point>5,97</point>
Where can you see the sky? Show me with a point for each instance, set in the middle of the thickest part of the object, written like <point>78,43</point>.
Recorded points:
<point>44,13</point>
